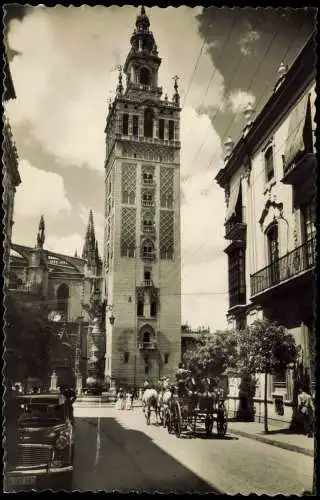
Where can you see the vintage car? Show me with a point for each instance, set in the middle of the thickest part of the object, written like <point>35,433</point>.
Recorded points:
<point>39,444</point>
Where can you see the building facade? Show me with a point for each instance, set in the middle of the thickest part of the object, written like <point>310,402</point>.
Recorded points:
<point>191,337</point>
<point>11,177</point>
<point>142,220</point>
<point>69,290</point>
<point>269,181</point>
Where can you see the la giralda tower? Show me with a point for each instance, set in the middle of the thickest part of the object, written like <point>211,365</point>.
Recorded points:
<point>142,256</point>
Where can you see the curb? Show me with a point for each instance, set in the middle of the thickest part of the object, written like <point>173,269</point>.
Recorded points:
<point>272,442</point>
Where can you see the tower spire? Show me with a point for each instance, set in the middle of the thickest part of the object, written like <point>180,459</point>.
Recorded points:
<point>41,235</point>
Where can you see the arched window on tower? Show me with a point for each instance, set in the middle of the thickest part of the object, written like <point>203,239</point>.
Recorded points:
<point>145,77</point>
<point>146,337</point>
<point>63,300</point>
<point>148,123</point>
<point>148,250</point>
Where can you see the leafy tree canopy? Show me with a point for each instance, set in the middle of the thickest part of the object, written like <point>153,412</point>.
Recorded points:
<point>266,347</point>
<point>213,355</point>
<point>27,340</point>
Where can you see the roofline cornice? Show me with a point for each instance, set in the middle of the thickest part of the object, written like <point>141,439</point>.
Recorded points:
<point>300,75</point>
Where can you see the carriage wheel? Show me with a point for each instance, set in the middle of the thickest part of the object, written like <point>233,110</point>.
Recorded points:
<point>222,423</point>
<point>209,424</point>
<point>168,421</point>
<point>194,422</point>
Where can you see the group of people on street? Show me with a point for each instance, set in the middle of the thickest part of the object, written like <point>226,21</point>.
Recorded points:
<point>125,398</point>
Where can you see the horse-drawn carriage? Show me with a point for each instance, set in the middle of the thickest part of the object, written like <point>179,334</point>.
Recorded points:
<point>185,412</point>
<point>191,402</point>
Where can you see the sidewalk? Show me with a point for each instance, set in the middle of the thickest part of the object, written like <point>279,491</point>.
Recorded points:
<point>276,437</point>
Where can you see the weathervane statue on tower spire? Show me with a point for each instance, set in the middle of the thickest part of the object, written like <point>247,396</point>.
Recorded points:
<point>176,96</point>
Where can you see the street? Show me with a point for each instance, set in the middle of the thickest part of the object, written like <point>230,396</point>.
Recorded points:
<point>116,450</point>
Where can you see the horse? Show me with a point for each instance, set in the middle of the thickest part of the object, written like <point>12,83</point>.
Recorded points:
<point>150,400</point>
<point>165,396</point>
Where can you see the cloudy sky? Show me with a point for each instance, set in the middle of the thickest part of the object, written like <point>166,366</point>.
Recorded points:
<point>63,63</point>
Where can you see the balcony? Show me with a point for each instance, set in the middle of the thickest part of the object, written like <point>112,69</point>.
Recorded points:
<point>147,283</point>
<point>302,167</point>
<point>235,230</point>
<point>149,140</point>
<point>147,346</point>
<point>148,257</point>
<point>148,229</point>
<point>147,203</point>
<point>291,265</point>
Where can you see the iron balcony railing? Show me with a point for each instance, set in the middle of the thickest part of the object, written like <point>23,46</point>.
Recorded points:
<point>147,283</point>
<point>293,263</point>
<point>147,345</point>
<point>147,203</point>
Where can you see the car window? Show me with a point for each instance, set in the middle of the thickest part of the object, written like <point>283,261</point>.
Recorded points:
<point>45,414</point>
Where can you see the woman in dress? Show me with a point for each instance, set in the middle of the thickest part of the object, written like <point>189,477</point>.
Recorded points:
<point>120,397</point>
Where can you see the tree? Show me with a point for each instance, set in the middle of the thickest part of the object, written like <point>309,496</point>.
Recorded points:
<point>266,347</point>
<point>27,341</point>
<point>213,354</point>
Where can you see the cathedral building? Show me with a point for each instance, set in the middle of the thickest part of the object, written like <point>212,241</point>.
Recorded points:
<point>142,258</point>
<point>69,290</point>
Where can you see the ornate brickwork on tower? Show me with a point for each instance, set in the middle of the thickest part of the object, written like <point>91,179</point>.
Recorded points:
<point>142,228</point>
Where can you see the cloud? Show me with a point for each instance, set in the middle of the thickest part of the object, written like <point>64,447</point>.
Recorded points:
<point>205,295</point>
<point>39,193</point>
<point>247,41</point>
<point>66,245</point>
<point>239,99</point>
<point>66,72</point>
<point>204,265</point>
<point>63,80</point>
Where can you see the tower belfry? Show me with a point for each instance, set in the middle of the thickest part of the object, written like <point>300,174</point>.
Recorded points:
<point>142,257</point>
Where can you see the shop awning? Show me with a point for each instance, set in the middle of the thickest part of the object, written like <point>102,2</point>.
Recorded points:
<point>234,195</point>
<point>300,119</point>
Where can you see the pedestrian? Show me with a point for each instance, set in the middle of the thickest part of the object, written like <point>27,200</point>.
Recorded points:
<point>129,400</point>
<point>306,411</point>
<point>119,400</point>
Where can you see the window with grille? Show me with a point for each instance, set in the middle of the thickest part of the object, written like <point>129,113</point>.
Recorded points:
<point>140,307</point>
<point>147,250</point>
<point>236,272</point>
<point>171,130</point>
<point>153,309</point>
<point>147,178</point>
<point>147,198</point>
<point>161,129</point>
<point>308,219</point>
<point>148,225</point>
<point>273,253</point>
<point>269,164</point>
<point>125,124</point>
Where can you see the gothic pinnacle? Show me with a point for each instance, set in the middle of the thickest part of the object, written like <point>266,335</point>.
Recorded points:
<point>41,235</point>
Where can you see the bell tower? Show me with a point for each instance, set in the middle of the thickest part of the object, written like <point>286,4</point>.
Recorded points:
<point>142,258</point>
